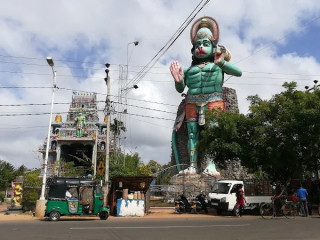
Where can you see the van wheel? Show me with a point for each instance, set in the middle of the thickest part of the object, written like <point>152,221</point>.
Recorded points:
<point>54,216</point>
<point>104,215</point>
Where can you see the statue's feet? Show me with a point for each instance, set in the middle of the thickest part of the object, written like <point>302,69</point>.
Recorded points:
<point>188,171</point>
<point>211,170</point>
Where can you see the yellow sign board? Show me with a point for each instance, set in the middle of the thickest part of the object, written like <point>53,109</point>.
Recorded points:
<point>101,168</point>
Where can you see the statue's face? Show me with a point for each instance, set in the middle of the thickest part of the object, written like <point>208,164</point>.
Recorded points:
<point>202,48</point>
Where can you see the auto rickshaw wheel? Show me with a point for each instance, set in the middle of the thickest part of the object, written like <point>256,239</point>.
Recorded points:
<point>103,215</point>
<point>54,216</point>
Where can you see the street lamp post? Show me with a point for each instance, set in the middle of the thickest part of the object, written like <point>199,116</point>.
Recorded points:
<point>51,64</point>
<point>135,43</point>
<point>40,206</point>
<point>124,91</point>
<point>127,73</point>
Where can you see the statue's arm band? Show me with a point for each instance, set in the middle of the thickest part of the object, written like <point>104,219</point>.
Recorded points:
<point>180,87</point>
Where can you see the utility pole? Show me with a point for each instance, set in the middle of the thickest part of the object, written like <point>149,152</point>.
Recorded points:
<point>40,205</point>
<point>107,113</point>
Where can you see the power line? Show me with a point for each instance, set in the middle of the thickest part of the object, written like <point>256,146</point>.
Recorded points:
<point>57,60</point>
<point>25,87</point>
<point>46,74</point>
<point>162,73</point>
<point>165,48</point>
<point>152,109</point>
<point>22,127</point>
<point>115,96</point>
<point>150,123</point>
<point>29,104</point>
<point>290,74</point>
<point>37,114</point>
<point>57,66</point>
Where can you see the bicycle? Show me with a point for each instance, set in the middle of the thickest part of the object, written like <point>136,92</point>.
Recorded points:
<point>289,210</point>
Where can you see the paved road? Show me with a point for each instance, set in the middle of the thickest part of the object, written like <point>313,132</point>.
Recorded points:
<point>184,228</point>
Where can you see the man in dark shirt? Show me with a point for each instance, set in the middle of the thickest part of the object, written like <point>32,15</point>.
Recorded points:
<point>280,197</point>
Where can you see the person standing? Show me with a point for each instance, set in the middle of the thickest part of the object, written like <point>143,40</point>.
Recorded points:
<point>240,201</point>
<point>280,197</point>
<point>302,194</point>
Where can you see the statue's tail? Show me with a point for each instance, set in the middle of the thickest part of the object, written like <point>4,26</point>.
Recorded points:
<point>175,148</point>
<point>177,125</point>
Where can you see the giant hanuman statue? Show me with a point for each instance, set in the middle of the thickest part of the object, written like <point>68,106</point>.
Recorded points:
<point>204,80</point>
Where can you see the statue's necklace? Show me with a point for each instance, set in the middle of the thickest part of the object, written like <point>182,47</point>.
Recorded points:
<point>201,65</point>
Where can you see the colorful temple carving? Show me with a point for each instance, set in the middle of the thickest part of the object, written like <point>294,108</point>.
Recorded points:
<point>78,139</point>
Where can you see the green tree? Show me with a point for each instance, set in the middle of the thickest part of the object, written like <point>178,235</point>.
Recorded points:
<point>31,189</point>
<point>127,165</point>
<point>7,175</point>
<point>21,171</point>
<point>281,135</point>
<point>69,170</point>
<point>153,166</point>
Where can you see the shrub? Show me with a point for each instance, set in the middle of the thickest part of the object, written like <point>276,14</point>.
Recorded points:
<point>2,197</point>
<point>31,190</point>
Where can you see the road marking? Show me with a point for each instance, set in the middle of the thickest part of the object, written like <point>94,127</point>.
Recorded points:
<point>201,226</point>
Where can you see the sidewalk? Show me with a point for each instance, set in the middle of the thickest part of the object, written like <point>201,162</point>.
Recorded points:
<point>13,217</point>
<point>153,213</point>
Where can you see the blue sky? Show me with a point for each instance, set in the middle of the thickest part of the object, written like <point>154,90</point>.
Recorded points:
<point>82,36</point>
<point>304,43</point>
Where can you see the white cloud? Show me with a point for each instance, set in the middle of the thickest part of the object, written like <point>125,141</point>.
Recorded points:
<point>99,31</point>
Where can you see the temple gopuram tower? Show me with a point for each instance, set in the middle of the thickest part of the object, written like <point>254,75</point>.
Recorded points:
<point>78,139</point>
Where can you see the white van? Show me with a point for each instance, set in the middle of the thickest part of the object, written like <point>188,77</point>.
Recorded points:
<point>223,196</point>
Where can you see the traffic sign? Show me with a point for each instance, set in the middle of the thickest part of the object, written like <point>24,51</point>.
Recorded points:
<point>101,168</point>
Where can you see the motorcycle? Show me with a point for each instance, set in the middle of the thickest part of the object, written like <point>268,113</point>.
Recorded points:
<point>199,204</point>
<point>182,205</point>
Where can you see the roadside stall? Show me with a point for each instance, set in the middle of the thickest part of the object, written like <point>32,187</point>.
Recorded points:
<point>129,196</point>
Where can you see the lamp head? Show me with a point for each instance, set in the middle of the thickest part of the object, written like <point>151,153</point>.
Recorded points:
<point>315,81</point>
<point>107,65</point>
<point>50,61</point>
<point>136,43</point>
<point>306,87</point>
<point>135,86</point>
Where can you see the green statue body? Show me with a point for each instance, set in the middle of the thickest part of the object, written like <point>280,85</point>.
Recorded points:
<point>80,122</point>
<point>204,79</point>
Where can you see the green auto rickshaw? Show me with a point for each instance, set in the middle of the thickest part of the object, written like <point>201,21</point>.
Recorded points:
<point>75,196</point>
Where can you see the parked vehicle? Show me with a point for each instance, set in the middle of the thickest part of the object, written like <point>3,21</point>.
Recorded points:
<point>182,205</point>
<point>199,204</point>
<point>75,196</point>
<point>223,195</point>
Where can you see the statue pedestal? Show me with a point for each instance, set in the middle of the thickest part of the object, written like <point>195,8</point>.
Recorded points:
<point>192,185</point>
<point>14,210</point>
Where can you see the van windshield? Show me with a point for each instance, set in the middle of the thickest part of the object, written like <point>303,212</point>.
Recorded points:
<point>221,188</point>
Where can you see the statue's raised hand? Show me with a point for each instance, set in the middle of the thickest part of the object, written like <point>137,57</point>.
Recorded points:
<point>176,71</point>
